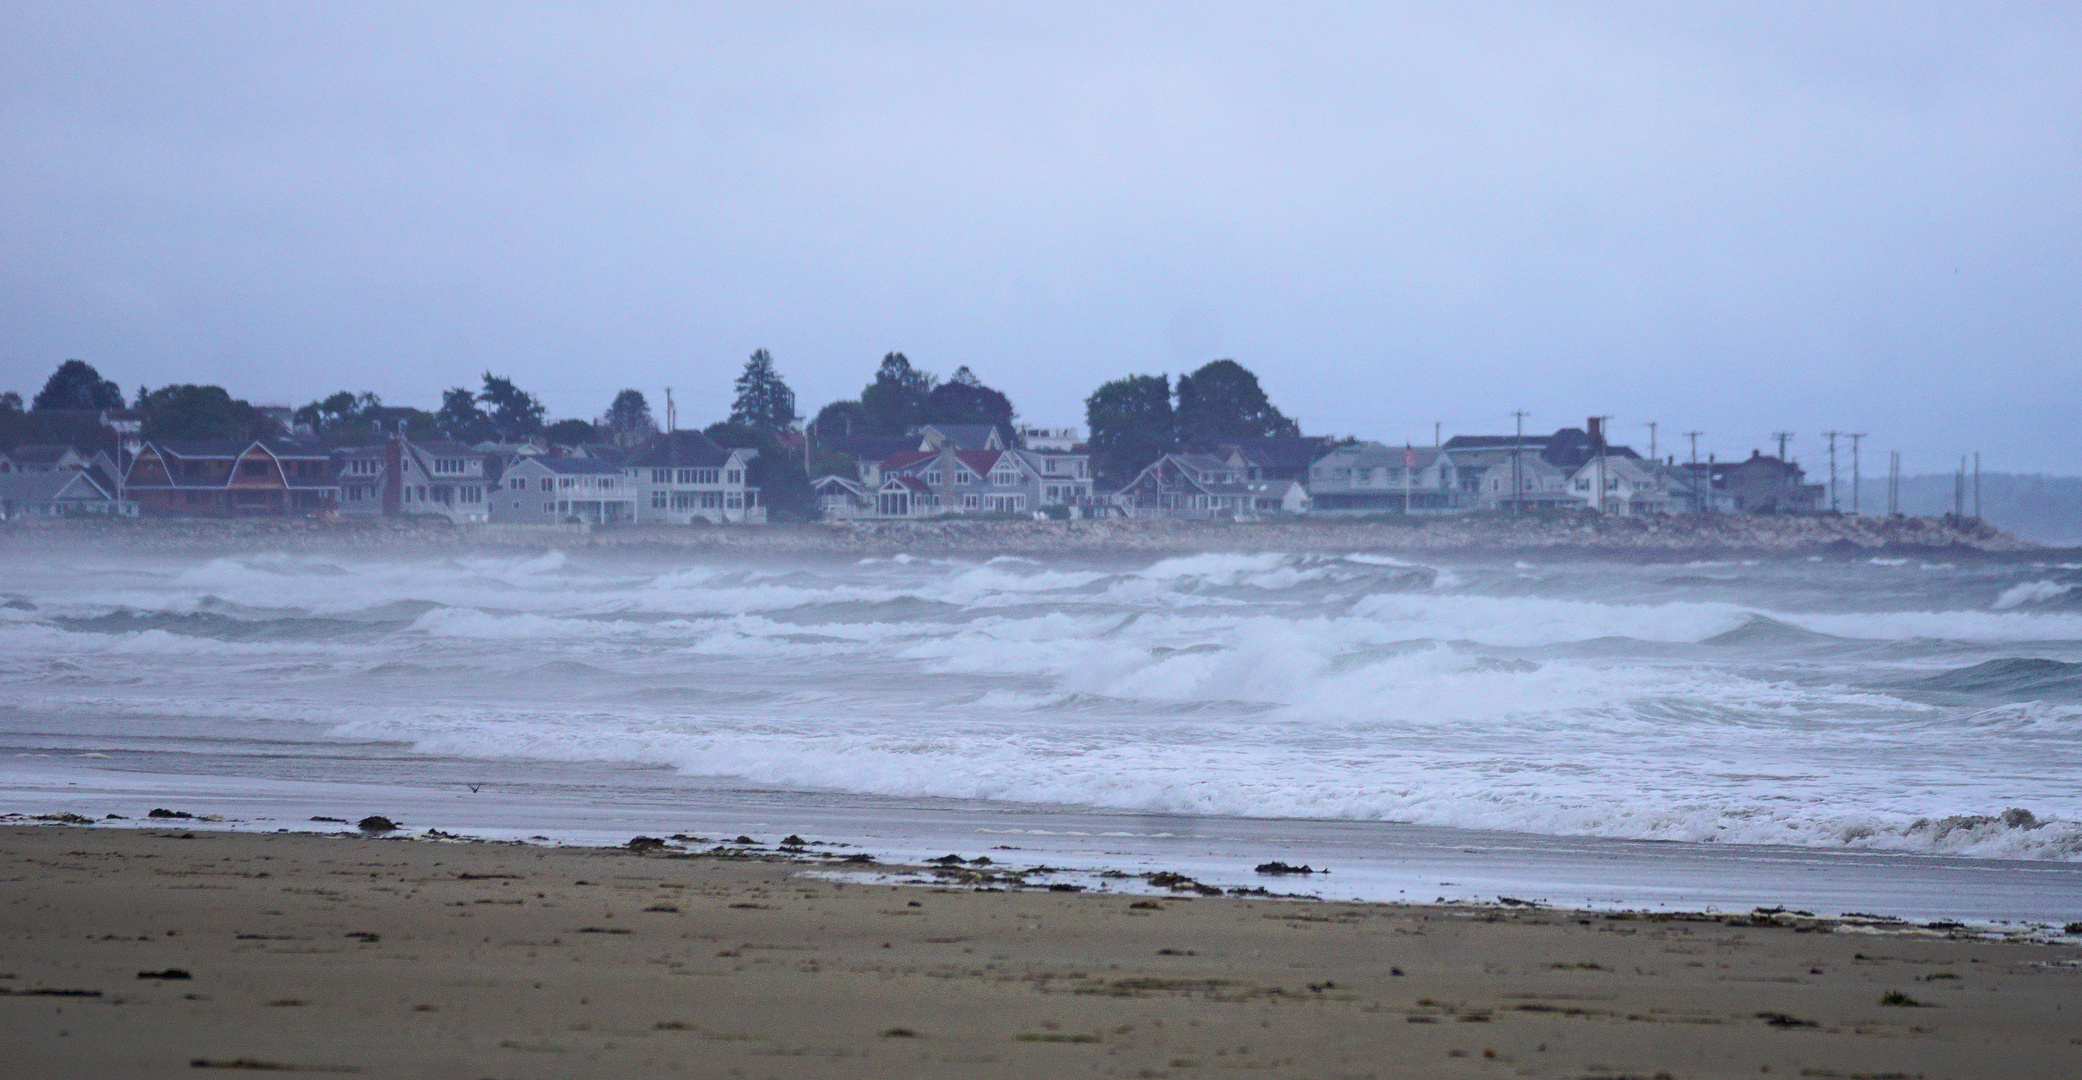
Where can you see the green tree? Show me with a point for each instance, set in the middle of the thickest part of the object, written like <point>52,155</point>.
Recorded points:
<point>965,400</point>
<point>628,420</point>
<point>840,418</point>
<point>895,402</point>
<point>460,418</point>
<point>763,400</point>
<point>344,412</point>
<point>1222,401</point>
<point>76,385</point>
<point>514,412</point>
<point>784,488</point>
<point>1131,425</point>
<point>571,432</point>
<point>186,411</point>
<point>10,403</point>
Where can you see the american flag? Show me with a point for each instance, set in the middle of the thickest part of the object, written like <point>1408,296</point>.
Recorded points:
<point>1409,456</point>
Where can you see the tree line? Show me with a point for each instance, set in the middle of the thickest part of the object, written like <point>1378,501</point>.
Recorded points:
<point>1131,420</point>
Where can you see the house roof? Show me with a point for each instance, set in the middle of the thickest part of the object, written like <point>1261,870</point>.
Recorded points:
<point>979,461</point>
<point>1373,455</point>
<point>63,484</point>
<point>1295,452</point>
<point>678,449</point>
<point>964,436</point>
<point>869,447</point>
<point>908,458</point>
<point>39,453</point>
<point>571,466</point>
<point>908,483</point>
<point>1497,442</point>
<point>830,480</point>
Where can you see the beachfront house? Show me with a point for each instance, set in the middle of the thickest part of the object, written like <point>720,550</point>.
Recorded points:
<point>1191,486</point>
<point>1373,478</point>
<point>680,477</point>
<point>264,477</point>
<point>435,478</point>
<point>543,490</point>
<point>56,493</point>
<point>950,480</point>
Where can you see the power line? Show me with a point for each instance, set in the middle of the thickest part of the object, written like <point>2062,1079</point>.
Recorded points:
<point>1855,483</point>
<point>1782,436</point>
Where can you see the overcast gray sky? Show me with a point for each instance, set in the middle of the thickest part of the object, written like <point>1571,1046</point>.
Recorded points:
<point>1737,218</point>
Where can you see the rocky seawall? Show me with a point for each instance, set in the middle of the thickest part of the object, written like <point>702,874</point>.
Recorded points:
<point>1571,536</point>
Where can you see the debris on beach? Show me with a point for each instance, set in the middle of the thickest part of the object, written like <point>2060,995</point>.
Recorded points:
<point>169,973</point>
<point>641,844</point>
<point>376,823</point>
<point>1277,867</point>
<point>163,812</point>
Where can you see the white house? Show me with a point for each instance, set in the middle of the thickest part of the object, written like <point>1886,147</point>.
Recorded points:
<point>684,476</point>
<point>402,476</point>
<point>544,490</point>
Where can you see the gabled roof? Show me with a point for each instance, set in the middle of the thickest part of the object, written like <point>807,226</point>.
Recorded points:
<point>54,486</point>
<point>1294,452</point>
<point>980,462</point>
<point>40,453</point>
<point>834,479</point>
<point>193,449</point>
<point>1373,455</point>
<point>678,449</point>
<point>908,483</point>
<point>1497,442</point>
<point>569,466</point>
<point>964,436</point>
<point>908,458</point>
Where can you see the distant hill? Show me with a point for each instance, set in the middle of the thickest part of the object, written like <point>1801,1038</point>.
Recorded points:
<point>2045,509</point>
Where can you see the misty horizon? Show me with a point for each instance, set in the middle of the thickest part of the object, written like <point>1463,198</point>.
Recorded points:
<point>1718,219</point>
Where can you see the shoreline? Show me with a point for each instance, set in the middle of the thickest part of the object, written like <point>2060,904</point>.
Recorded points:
<point>1547,538</point>
<point>156,951</point>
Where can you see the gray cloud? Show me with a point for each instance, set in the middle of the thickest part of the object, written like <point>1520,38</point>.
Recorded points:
<point>1863,217</point>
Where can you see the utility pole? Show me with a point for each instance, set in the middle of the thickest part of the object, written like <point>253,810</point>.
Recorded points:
<point>1893,482</point>
<point>1436,428</point>
<point>1604,422</point>
<point>1517,484</point>
<point>671,418</point>
<point>1977,485</point>
<point>1698,500</point>
<point>1831,436</point>
<point>1854,437</point>
<point>1781,436</point>
<point>1959,491</point>
<point>1652,456</point>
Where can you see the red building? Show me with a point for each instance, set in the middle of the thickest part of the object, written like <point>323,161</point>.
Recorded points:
<point>223,478</point>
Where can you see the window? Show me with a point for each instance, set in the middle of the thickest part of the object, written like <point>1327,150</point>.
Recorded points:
<point>566,482</point>
<point>711,500</point>
<point>964,476</point>
<point>547,507</point>
<point>1048,465</point>
<point>1004,477</point>
<point>970,502</point>
<point>737,501</point>
<point>470,494</point>
<point>737,476</point>
<point>1583,485</point>
<point>362,466</point>
<point>657,500</point>
<point>664,476</point>
<point>607,483</point>
<point>934,478</point>
<point>1081,466</point>
<point>518,483</point>
<point>683,500</point>
<point>448,466</point>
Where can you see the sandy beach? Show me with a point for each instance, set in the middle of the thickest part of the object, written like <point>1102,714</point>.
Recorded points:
<point>149,952</point>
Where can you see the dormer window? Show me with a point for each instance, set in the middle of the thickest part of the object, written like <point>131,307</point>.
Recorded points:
<point>964,476</point>
<point>935,478</point>
<point>1004,477</point>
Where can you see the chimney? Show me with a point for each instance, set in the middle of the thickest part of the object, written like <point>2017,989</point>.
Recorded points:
<point>1596,426</point>
<point>393,474</point>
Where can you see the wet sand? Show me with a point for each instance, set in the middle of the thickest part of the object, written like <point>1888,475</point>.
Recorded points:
<point>397,957</point>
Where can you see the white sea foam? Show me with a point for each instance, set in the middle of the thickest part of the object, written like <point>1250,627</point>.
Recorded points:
<point>1577,700</point>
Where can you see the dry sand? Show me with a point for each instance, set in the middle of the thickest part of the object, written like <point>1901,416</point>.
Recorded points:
<point>398,957</point>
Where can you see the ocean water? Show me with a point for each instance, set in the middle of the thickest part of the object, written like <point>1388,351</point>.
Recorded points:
<point>1883,707</point>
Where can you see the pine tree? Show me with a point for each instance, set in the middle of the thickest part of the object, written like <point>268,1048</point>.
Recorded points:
<point>1131,425</point>
<point>763,400</point>
<point>76,385</point>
